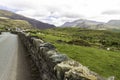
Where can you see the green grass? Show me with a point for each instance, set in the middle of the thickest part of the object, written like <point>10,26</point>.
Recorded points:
<point>105,63</point>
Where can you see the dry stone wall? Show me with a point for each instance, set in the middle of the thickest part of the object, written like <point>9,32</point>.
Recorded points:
<point>55,66</point>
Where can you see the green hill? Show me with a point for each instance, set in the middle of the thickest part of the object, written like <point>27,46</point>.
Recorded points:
<point>6,23</point>
<point>89,47</point>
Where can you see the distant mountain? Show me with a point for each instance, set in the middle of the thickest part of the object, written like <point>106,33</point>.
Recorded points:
<point>114,23</point>
<point>33,22</point>
<point>89,24</point>
<point>81,23</point>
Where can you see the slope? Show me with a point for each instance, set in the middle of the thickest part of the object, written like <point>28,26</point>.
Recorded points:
<point>6,23</point>
<point>33,22</point>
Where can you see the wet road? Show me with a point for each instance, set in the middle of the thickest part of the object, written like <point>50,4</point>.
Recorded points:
<point>13,62</point>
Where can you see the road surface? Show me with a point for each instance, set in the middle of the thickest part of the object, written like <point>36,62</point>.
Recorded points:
<point>13,62</point>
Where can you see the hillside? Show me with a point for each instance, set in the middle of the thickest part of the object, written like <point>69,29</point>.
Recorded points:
<point>33,22</point>
<point>89,47</point>
<point>6,23</point>
<point>89,24</point>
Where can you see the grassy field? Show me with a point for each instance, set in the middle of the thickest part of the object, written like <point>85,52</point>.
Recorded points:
<point>106,63</point>
<point>88,47</point>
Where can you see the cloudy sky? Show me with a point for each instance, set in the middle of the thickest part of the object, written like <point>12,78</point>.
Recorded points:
<point>59,11</point>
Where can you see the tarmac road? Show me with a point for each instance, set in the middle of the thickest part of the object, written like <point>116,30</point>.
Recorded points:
<point>13,62</point>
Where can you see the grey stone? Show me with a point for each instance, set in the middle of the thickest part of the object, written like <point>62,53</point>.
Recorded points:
<point>51,52</point>
<point>57,58</point>
<point>73,70</point>
<point>111,78</point>
<point>48,45</point>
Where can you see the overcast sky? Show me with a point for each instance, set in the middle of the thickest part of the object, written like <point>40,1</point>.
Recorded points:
<point>59,11</point>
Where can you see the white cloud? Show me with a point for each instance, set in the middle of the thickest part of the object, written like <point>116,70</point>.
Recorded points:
<point>112,12</point>
<point>59,11</point>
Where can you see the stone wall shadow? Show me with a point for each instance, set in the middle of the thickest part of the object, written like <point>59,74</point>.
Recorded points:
<point>24,64</point>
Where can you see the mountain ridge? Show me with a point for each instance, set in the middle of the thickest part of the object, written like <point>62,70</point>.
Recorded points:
<point>114,23</point>
<point>33,22</point>
<point>90,24</point>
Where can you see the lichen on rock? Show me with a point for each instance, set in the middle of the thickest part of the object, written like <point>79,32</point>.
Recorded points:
<point>72,70</point>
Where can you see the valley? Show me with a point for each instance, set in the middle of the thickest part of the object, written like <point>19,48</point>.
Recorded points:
<point>94,44</point>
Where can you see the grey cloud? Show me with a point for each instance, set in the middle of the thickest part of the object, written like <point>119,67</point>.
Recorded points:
<point>72,15</point>
<point>53,8</point>
<point>66,14</point>
<point>63,12</point>
<point>22,6</point>
<point>111,12</point>
<point>38,15</point>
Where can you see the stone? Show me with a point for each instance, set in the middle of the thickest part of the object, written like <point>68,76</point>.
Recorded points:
<point>73,70</point>
<point>37,42</point>
<point>111,78</point>
<point>57,58</point>
<point>43,50</point>
<point>48,45</point>
<point>79,73</point>
<point>51,52</point>
<point>26,34</point>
